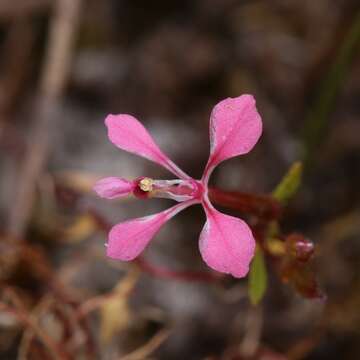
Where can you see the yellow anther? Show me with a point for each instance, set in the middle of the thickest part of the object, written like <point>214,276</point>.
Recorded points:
<point>146,184</point>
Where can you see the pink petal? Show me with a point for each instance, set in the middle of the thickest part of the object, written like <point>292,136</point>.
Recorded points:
<point>226,243</point>
<point>129,134</point>
<point>113,187</point>
<point>128,239</point>
<point>235,128</point>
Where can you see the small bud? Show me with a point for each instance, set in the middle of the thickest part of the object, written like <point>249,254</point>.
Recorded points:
<point>299,247</point>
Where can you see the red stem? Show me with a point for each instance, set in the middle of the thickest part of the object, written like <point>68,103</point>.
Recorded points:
<point>165,273</point>
<point>263,206</point>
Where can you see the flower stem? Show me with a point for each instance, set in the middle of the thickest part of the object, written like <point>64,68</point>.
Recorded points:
<point>165,273</point>
<point>263,206</point>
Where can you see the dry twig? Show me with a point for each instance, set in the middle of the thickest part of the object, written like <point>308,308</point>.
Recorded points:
<point>20,313</point>
<point>56,68</point>
<point>254,325</point>
<point>144,351</point>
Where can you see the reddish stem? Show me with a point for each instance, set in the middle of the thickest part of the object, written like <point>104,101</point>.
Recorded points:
<point>165,273</point>
<point>263,206</point>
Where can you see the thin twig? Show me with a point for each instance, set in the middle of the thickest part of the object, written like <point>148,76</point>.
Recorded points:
<point>29,334</point>
<point>144,351</point>
<point>165,273</point>
<point>254,326</point>
<point>123,289</point>
<point>56,68</point>
<point>27,319</point>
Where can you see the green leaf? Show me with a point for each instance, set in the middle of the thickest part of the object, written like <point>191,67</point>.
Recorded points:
<point>289,184</point>
<point>257,277</point>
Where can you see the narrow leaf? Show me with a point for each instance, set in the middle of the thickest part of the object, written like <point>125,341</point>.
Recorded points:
<point>290,183</point>
<point>257,277</point>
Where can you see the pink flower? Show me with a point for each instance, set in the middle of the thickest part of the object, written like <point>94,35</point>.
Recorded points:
<point>226,242</point>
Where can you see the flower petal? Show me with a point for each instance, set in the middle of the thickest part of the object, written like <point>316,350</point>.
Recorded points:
<point>113,187</point>
<point>129,134</point>
<point>235,128</point>
<point>226,243</point>
<point>128,239</point>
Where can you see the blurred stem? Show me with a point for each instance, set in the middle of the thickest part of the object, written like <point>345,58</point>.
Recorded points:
<point>254,327</point>
<point>165,273</point>
<point>59,51</point>
<point>318,116</point>
<point>147,349</point>
<point>263,206</point>
<point>28,320</point>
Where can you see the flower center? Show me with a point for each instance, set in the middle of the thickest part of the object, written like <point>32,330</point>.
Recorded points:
<point>178,190</point>
<point>146,184</point>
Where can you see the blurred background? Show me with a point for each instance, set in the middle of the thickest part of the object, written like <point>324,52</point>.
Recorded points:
<point>65,65</point>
